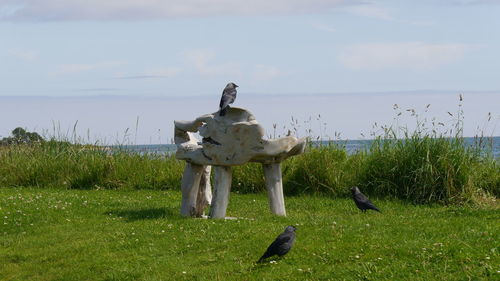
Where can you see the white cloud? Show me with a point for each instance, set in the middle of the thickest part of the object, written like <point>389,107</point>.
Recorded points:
<point>23,54</point>
<point>377,11</point>
<point>323,27</point>
<point>82,67</point>
<point>475,2</point>
<point>203,62</point>
<point>373,11</point>
<point>8,9</point>
<point>162,72</point>
<point>266,72</point>
<point>404,55</point>
<point>33,10</point>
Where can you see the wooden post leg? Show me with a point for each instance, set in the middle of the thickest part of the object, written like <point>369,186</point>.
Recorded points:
<point>222,186</point>
<point>204,197</point>
<point>190,185</point>
<point>274,185</point>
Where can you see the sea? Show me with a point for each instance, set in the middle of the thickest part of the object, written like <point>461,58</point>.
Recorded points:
<point>491,145</point>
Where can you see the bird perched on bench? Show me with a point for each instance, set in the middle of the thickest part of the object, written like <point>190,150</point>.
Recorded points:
<point>228,97</point>
<point>281,245</point>
<point>362,202</point>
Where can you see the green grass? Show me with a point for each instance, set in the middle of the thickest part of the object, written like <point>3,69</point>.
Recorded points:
<point>56,234</point>
<point>424,169</point>
<point>417,169</point>
<point>69,166</point>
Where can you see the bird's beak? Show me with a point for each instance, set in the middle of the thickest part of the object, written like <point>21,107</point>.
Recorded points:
<point>236,86</point>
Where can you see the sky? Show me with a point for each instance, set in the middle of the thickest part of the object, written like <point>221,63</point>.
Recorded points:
<point>111,65</point>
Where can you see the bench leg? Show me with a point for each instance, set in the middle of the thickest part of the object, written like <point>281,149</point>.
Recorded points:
<point>190,186</point>
<point>274,185</point>
<point>222,186</point>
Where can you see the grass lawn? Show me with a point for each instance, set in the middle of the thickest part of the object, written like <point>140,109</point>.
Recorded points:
<point>48,234</point>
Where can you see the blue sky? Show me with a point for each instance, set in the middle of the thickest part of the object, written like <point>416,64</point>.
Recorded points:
<point>136,50</point>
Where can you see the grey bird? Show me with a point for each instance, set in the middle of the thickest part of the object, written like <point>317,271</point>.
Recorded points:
<point>228,97</point>
<point>362,202</point>
<point>281,245</point>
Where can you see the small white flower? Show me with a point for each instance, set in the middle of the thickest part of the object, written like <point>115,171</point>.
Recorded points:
<point>183,272</point>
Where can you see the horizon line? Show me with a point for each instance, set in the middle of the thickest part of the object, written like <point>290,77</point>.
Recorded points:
<point>315,141</point>
<point>297,94</point>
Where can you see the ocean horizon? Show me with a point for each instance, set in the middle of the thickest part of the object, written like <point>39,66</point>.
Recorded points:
<point>490,144</point>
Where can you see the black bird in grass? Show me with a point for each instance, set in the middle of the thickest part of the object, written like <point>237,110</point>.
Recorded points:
<point>362,202</point>
<point>281,245</point>
<point>228,97</point>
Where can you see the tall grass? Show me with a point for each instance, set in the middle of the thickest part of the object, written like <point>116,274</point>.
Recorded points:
<point>418,169</point>
<point>422,169</point>
<point>429,165</point>
<point>423,165</point>
<point>324,169</point>
<point>60,164</point>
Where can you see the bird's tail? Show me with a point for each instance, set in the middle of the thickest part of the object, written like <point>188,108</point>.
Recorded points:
<point>264,256</point>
